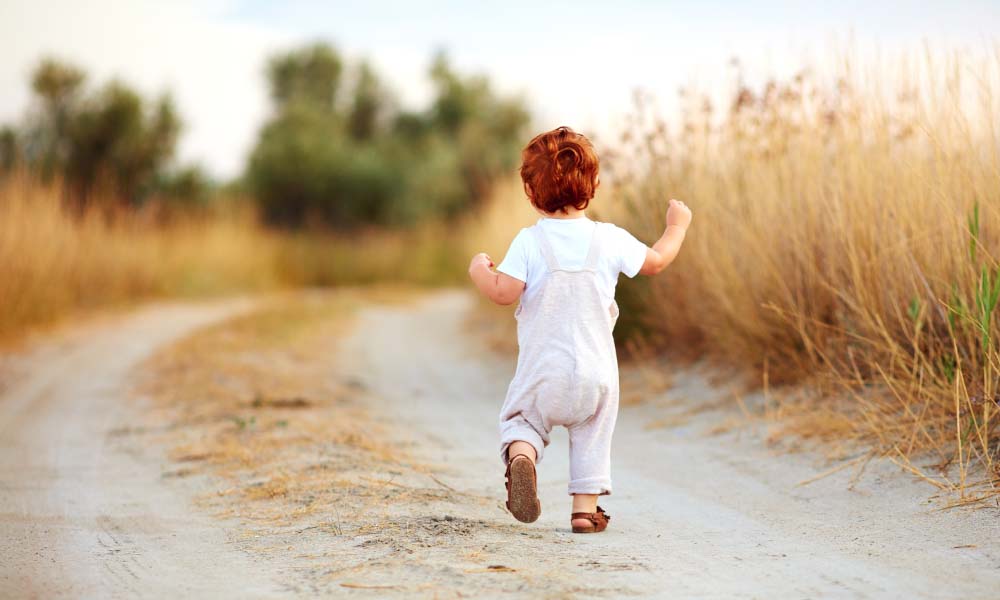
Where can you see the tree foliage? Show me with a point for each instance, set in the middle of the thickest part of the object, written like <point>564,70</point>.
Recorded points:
<point>110,138</point>
<point>310,76</point>
<point>338,151</point>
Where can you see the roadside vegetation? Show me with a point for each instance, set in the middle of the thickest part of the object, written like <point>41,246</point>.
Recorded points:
<point>56,261</point>
<point>847,236</point>
<point>342,187</point>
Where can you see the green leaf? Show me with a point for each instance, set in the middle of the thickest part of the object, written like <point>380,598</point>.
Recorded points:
<point>995,295</point>
<point>948,367</point>
<point>914,309</point>
<point>974,231</point>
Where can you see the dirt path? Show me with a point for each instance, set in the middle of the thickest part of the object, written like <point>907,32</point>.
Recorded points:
<point>694,515</point>
<point>81,517</point>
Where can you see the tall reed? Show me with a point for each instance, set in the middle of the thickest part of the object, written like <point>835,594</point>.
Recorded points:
<point>55,262</point>
<point>846,234</point>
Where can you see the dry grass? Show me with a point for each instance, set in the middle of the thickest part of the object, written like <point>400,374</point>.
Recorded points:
<point>846,235</point>
<point>52,262</point>
<point>254,403</point>
<point>55,263</point>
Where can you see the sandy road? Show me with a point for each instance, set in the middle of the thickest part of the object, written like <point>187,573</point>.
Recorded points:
<point>82,518</point>
<point>693,515</point>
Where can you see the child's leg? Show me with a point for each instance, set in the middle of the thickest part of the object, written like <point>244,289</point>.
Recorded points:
<point>522,480</point>
<point>590,458</point>
<point>584,503</point>
<point>523,432</point>
<point>519,447</point>
<point>590,452</point>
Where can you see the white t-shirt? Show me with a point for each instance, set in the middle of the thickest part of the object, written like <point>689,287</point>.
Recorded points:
<point>570,241</point>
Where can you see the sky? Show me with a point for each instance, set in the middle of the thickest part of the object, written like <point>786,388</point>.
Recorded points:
<point>576,63</point>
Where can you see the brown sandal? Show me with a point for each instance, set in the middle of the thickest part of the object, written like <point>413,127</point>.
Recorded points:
<point>599,521</point>
<point>522,489</point>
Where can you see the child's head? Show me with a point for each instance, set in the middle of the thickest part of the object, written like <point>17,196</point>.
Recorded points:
<point>559,170</point>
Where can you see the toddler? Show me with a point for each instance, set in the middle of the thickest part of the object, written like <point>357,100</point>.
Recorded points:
<point>564,270</point>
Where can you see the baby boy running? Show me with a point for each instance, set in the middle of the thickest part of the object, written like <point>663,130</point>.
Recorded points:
<point>564,270</point>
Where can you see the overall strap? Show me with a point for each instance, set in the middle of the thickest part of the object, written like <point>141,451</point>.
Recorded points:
<point>546,248</point>
<point>594,254</point>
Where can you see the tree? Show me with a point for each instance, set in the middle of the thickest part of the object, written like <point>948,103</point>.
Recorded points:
<point>486,128</point>
<point>112,138</point>
<point>310,75</point>
<point>117,141</point>
<point>10,150</point>
<point>344,156</point>
<point>304,169</point>
<point>366,106</point>
<point>57,88</point>
<point>311,162</point>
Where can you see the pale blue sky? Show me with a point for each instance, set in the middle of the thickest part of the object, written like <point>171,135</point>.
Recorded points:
<point>577,63</point>
<point>465,21</point>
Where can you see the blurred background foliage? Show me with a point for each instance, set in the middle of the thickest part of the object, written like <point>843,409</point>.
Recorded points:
<point>343,186</point>
<point>103,142</point>
<point>339,152</point>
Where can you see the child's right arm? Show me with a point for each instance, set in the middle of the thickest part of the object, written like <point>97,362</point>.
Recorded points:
<point>665,250</point>
<point>499,287</point>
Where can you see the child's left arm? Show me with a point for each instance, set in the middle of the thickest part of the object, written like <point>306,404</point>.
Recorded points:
<point>498,287</point>
<point>665,250</point>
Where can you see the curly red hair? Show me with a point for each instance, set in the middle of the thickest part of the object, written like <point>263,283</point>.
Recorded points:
<point>559,169</point>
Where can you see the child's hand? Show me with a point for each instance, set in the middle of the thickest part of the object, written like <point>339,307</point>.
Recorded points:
<point>481,259</point>
<point>678,214</point>
<point>665,250</point>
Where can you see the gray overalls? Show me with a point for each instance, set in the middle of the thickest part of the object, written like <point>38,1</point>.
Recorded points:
<point>567,370</point>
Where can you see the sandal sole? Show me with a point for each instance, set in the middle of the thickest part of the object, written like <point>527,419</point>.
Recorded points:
<point>590,530</point>
<point>524,503</point>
